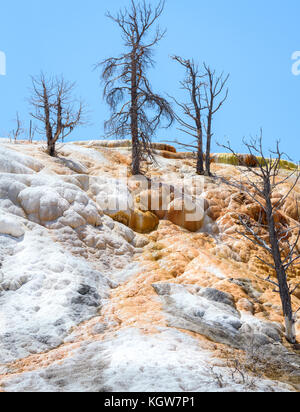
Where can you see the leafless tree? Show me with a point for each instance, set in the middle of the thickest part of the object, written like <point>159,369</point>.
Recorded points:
<point>32,131</point>
<point>214,98</point>
<point>259,183</point>
<point>54,106</point>
<point>15,133</point>
<point>207,95</point>
<point>136,110</point>
<point>193,85</point>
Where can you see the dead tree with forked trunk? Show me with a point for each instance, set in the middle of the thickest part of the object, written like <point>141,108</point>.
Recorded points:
<point>54,106</point>
<point>193,85</point>
<point>15,133</point>
<point>207,95</point>
<point>214,100</point>
<point>259,183</point>
<point>136,110</point>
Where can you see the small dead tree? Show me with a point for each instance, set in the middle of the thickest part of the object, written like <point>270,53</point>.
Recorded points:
<point>207,95</point>
<point>136,110</point>
<point>214,100</point>
<point>54,106</point>
<point>32,131</point>
<point>259,183</point>
<point>15,133</point>
<point>192,84</point>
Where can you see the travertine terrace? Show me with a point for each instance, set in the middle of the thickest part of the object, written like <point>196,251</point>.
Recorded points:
<point>94,299</point>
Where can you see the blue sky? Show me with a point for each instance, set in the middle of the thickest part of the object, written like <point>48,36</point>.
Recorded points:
<point>253,40</point>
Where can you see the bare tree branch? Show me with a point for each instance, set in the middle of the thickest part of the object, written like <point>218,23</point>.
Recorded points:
<point>136,110</point>
<point>214,88</point>
<point>260,188</point>
<point>15,133</point>
<point>193,85</point>
<point>54,106</point>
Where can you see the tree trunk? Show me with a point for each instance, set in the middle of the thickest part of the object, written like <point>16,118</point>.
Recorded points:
<point>135,156</point>
<point>290,330</point>
<point>286,302</point>
<point>208,148</point>
<point>200,165</point>
<point>134,120</point>
<point>51,148</point>
<point>50,141</point>
<point>281,275</point>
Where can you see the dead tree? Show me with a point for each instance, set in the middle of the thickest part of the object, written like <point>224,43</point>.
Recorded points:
<point>193,85</point>
<point>15,133</point>
<point>136,110</point>
<point>214,89</point>
<point>54,106</point>
<point>259,183</point>
<point>32,131</point>
<point>206,99</point>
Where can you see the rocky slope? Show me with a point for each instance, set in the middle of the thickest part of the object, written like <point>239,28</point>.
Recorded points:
<point>143,299</point>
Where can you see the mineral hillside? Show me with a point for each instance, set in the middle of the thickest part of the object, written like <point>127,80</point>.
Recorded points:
<point>95,297</point>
